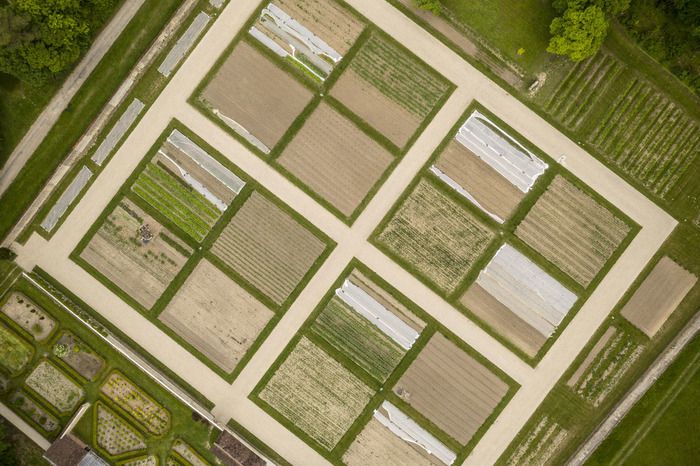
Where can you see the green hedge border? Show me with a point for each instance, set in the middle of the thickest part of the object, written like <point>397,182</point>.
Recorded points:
<point>383,390</point>
<point>202,251</point>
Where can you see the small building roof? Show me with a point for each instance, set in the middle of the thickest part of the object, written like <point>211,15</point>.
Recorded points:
<point>66,451</point>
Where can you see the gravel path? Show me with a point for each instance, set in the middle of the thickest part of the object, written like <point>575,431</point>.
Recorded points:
<point>231,400</point>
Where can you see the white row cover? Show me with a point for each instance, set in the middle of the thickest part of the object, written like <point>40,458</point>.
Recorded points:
<point>503,153</point>
<point>118,131</point>
<point>66,199</point>
<point>206,161</point>
<point>406,429</point>
<point>184,44</point>
<point>463,192</point>
<point>381,317</point>
<point>527,290</point>
<point>285,22</point>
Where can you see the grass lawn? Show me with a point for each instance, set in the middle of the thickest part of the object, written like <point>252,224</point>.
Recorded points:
<point>659,429</point>
<point>84,107</point>
<point>508,26</point>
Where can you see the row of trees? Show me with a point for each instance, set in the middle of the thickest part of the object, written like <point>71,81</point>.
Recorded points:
<point>41,38</point>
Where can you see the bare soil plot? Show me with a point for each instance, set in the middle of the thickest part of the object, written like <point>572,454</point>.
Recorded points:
<point>55,387</point>
<point>256,94</point>
<point>389,89</point>
<point>316,394</point>
<point>216,316</point>
<point>327,19</point>
<point>151,415</point>
<point>335,159</point>
<point>25,313</point>
<point>78,355</point>
<point>573,231</point>
<point>114,434</point>
<point>15,353</point>
<point>658,296</point>
<point>436,235</point>
<point>376,445</point>
<point>268,247</point>
<point>489,189</point>
<point>142,269</point>
<point>451,389</point>
<point>356,337</point>
<point>502,320</point>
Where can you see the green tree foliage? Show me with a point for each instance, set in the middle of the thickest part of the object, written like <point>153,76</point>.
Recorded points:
<point>581,29</point>
<point>41,38</point>
<point>7,454</point>
<point>669,31</point>
<point>578,34</point>
<point>432,6</point>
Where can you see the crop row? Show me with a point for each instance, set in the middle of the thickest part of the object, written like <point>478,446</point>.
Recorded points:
<point>398,76</point>
<point>359,339</point>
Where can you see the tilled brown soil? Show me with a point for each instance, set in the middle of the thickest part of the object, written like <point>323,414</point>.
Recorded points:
<point>257,94</point>
<point>335,159</point>
<point>451,388</point>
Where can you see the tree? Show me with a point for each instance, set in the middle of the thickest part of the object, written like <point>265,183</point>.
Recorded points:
<point>578,34</point>
<point>41,38</point>
<point>432,6</point>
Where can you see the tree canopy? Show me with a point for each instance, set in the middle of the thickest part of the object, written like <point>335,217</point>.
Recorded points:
<point>432,6</point>
<point>41,38</point>
<point>578,34</point>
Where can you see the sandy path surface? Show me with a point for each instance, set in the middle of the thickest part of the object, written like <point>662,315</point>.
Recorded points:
<point>231,400</point>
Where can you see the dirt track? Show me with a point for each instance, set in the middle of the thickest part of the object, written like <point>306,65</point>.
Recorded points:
<point>231,400</point>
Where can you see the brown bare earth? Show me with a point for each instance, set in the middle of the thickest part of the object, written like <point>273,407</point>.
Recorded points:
<point>327,19</point>
<point>387,300</point>
<point>382,113</point>
<point>451,389</point>
<point>335,159</point>
<point>258,95</point>
<point>268,247</point>
<point>573,231</point>
<point>142,270</point>
<point>376,445</point>
<point>216,316</point>
<point>658,296</point>
<point>495,194</point>
<point>502,320</point>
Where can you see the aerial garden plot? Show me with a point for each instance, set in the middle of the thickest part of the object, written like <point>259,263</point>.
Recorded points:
<point>325,97</point>
<point>613,359</point>
<point>504,233</point>
<point>202,250</point>
<point>130,418</point>
<point>352,382</point>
